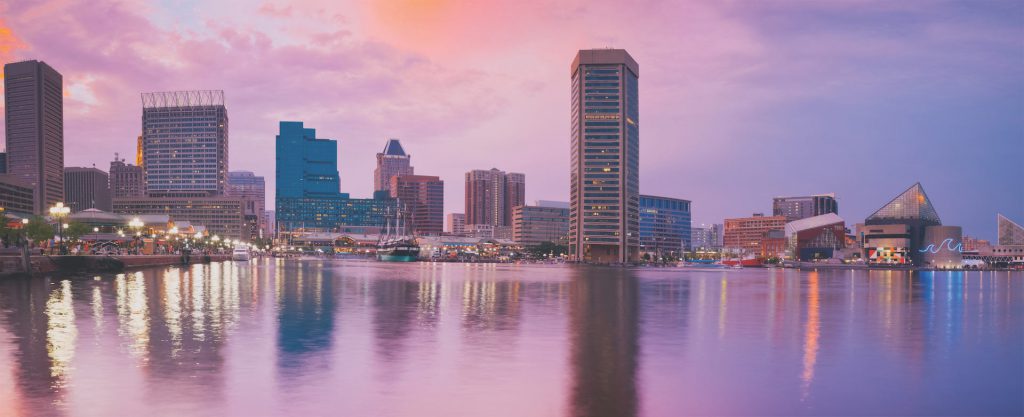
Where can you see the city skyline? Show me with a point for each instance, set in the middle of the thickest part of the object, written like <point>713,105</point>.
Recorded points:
<point>891,87</point>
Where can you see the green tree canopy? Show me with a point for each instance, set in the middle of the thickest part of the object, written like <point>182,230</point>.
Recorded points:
<point>38,229</point>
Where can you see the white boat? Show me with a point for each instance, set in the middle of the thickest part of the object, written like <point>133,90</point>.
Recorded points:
<point>241,253</point>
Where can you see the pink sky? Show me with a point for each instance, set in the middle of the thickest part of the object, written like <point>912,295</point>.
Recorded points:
<point>740,101</point>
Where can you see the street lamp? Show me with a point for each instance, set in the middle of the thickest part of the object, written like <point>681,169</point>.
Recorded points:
<point>59,211</point>
<point>136,224</point>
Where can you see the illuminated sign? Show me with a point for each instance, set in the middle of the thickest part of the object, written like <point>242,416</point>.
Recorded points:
<point>947,243</point>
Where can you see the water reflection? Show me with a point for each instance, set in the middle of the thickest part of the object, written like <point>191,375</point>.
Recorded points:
<point>604,326</point>
<point>285,337</point>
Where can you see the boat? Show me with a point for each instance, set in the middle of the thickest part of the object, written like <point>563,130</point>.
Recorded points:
<point>395,245</point>
<point>241,253</point>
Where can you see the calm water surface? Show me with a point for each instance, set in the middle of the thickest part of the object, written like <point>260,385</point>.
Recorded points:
<point>350,338</point>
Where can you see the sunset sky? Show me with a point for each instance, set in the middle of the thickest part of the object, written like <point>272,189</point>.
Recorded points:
<point>739,100</point>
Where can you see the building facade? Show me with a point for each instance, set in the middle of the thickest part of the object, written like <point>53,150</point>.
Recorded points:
<point>816,237</point>
<point>1008,232</point>
<point>307,193</point>
<point>913,209</point>
<point>86,188</point>
<point>492,194</point>
<point>604,219</point>
<point>456,223</point>
<point>390,162</point>
<point>17,196</point>
<point>664,226</point>
<point>422,199</point>
<point>796,208</point>
<point>747,234</point>
<point>185,143</point>
<point>533,225</point>
<point>126,180</point>
<point>706,237</point>
<point>222,215</point>
<point>34,129</point>
<point>252,189</point>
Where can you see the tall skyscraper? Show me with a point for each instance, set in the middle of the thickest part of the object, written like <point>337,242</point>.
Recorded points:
<point>307,183</point>
<point>86,188</point>
<point>491,196</point>
<point>796,208</point>
<point>34,116</point>
<point>185,143</point>
<point>126,180</point>
<point>422,198</point>
<point>252,189</point>
<point>390,162</point>
<point>605,155</point>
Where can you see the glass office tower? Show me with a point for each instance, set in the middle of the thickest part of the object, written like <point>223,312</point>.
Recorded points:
<point>185,143</point>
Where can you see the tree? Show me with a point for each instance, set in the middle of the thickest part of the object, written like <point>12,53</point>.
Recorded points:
<point>544,249</point>
<point>38,229</point>
<point>76,230</point>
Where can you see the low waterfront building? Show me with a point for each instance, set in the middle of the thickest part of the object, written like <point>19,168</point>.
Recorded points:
<point>706,237</point>
<point>1008,231</point>
<point>222,215</point>
<point>908,230</point>
<point>745,234</point>
<point>664,226</point>
<point>17,196</point>
<point>943,247</point>
<point>533,225</point>
<point>487,231</point>
<point>817,237</point>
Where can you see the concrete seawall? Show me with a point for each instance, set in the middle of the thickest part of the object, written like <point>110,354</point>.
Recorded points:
<point>12,265</point>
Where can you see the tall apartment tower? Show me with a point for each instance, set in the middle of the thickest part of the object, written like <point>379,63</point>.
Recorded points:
<point>86,188</point>
<point>126,180</point>
<point>185,143</point>
<point>802,207</point>
<point>492,194</point>
<point>34,117</point>
<point>390,162</point>
<point>604,214</point>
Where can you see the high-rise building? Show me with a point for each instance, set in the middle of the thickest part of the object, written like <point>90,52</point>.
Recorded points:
<point>307,184</point>
<point>796,208</point>
<point>422,199</point>
<point>749,234</point>
<point>492,194</point>
<point>34,116</point>
<point>390,162</point>
<point>86,188</point>
<point>271,221</point>
<point>139,160</point>
<point>664,226</point>
<point>252,189</point>
<point>456,223</point>
<point>17,196</point>
<point>126,180</point>
<point>1009,232</point>
<point>605,155</point>
<point>533,225</point>
<point>3,162</point>
<point>185,143</point>
<point>707,237</point>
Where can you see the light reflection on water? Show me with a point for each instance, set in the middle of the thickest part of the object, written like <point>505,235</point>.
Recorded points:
<point>277,337</point>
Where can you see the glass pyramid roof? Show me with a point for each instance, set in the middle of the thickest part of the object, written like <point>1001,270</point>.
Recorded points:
<point>912,204</point>
<point>1010,233</point>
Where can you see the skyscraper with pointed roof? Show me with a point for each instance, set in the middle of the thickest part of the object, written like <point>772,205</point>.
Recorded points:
<point>390,162</point>
<point>1009,232</point>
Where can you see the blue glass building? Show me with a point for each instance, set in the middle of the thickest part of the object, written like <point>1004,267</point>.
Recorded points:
<point>308,196</point>
<point>664,226</point>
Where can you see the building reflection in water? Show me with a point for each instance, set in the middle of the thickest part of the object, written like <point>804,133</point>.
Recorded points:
<point>305,313</point>
<point>25,303</point>
<point>812,328</point>
<point>604,327</point>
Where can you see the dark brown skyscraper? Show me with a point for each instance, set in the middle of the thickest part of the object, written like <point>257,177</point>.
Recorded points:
<point>492,194</point>
<point>34,115</point>
<point>126,180</point>
<point>422,197</point>
<point>86,188</point>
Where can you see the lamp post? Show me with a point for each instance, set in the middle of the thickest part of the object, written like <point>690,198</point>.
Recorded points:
<point>136,225</point>
<point>59,211</point>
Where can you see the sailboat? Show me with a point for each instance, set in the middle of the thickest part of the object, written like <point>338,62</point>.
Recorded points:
<point>395,245</point>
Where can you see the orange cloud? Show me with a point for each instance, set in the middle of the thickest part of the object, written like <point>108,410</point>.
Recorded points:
<point>8,44</point>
